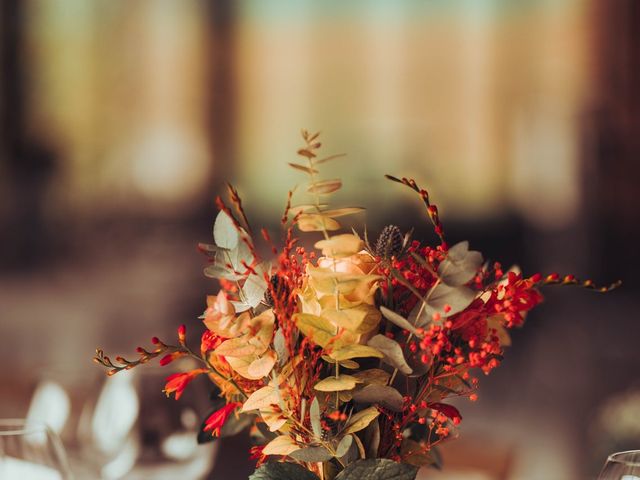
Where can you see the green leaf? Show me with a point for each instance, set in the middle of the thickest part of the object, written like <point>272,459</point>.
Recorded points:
<point>378,469</point>
<point>314,416</point>
<point>360,420</point>
<point>312,454</point>
<point>398,320</point>
<point>392,352</point>
<point>457,298</point>
<point>383,395</point>
<point>225,233</point>
<point>282,471</point>
<point>343,446</point>
<point>460,265</point>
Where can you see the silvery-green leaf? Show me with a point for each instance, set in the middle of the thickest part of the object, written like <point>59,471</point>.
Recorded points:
<point>378,469</point>
<point>255,286</point>
<point>225,233</point>
<point>343,446</point>
<point>383,395</point>
<point>314,415</point>
<point>215,271</point>
<point>458,298</point>
<point>400,321</point>
<point>282,471</point>
<point>242,253</point>
<point>392,352</point>
<point>418,316</point>
<point>240,306</point>
<point>460,265</point>
<point>312,454</point>
<point>279,345</point>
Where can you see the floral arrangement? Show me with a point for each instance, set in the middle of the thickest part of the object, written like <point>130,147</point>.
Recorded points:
<point>342,363</point>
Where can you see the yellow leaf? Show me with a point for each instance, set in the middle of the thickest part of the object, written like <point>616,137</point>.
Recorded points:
<point>236,347</point>
<point>318,329</point>
<point>282,445</point>
<point>361,419</point>
<point>305,208</point>
<point>263,365</point>
<point>355,351</point>
<point>316,222</point>
<point>374,376</point>
<point>324,187</point>
<point>241,365</point>
<point>274,420</point>
<point>345,396</point>
<point>361,319</point>
<point>333,384</point>
<point>261,398</point>
<point>349,364</point>
<point>340,246</point>
<point>341,212</point>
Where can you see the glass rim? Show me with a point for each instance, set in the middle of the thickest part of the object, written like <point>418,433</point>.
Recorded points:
<point>619,457</point>
<point>21,426</point>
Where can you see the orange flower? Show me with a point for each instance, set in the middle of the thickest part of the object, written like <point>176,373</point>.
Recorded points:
<point>218,418</point>
<point>177,382</point>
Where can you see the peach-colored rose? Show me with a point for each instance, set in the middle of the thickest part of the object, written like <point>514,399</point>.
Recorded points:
<point>359,264</point>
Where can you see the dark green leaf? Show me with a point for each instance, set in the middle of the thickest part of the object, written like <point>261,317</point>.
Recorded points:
<point>378,469</point>
<point>399,320</point>
<point>383,395</point>
<point>392,352</point>
<point>282,471</point>
<point>312,454</point>
<point>343,446</point>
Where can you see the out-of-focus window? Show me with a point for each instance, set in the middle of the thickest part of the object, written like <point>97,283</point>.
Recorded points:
<point>479,99</point>
<point>119,90</point>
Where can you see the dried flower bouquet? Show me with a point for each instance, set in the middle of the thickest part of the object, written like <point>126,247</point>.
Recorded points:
<point>342,364</point>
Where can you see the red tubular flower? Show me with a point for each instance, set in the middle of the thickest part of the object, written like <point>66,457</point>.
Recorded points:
<point>177,382</point>
<point>210,341</point>
<point>218,418</point>
<point>170,357</point>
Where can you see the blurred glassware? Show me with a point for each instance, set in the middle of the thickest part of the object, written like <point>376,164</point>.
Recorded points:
<point>31,450</point>
<point>622,466</point>
<point>124,426</point>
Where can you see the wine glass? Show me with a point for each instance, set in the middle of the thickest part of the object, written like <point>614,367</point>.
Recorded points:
<point>622,466</point>
<point>31,450</point>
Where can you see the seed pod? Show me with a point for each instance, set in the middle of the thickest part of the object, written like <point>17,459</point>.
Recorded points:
<point>389,243</point>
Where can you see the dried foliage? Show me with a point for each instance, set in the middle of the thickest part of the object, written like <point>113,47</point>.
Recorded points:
<point>343,365</point>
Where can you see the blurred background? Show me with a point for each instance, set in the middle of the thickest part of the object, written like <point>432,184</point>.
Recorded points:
<point>120,121</point>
